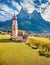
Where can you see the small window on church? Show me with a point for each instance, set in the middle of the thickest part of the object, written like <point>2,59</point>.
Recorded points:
<point>14,27</point>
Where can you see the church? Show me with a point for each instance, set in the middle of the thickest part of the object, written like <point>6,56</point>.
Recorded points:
<point>17,35</point>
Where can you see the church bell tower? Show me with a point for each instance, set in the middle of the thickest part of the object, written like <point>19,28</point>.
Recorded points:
<point>14,33</point>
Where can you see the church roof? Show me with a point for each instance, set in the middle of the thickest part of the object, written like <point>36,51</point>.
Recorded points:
<point>14,17</point>
<point>21,31</point>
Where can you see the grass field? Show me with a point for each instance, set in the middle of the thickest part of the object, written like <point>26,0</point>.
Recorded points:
<point>42,39</point>
<point>13,53</point>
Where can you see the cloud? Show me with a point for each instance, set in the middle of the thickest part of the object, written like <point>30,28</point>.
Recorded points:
<point>6,8</point>
<point>7,12</point>
<point>29,5</point>
<point>44,10</point>
<point>48,0</point>
<point>46,14</point>
<point>2,12</point>
<point>2,18</point>
<point>15,4</point>
<point>44,5</point>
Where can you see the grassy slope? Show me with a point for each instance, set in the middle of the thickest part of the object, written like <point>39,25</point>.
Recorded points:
<point>42,39</point>
<point>13,53</point>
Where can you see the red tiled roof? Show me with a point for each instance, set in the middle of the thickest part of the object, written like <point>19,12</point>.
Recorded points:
<point>21,31</point>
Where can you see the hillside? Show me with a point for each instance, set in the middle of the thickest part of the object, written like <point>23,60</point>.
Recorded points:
<point>13,53</point>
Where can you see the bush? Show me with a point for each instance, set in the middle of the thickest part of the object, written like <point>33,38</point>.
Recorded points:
<point>32,42</point>
<point>42,53</point>
<point>28,44</point>
<point>36,42</point>
<point>34,47</point>
<point>47,55</point>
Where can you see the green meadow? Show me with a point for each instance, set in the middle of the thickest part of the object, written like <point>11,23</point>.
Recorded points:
<point>18,53</point>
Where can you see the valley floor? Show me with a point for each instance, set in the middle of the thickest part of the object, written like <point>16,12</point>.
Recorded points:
<point>14,53</point>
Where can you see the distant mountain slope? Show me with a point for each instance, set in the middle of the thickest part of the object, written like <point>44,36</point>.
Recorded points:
<point>32,22</point>
<point>29,22</point>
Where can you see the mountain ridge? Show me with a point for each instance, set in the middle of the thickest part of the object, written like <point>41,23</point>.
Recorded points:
<point>29,22</point>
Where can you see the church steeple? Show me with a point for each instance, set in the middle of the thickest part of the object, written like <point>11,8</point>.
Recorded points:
<point>14,28</point>
<point>14,17</point>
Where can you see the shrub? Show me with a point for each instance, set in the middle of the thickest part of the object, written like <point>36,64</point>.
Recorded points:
<point>42,53</point>
<point>34,47</point>
<point>32,42</point>
<point>36,42</point>
<point>47,55</point>
<point>28,44</point>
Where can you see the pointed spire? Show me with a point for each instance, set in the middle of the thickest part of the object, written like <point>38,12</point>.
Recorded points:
<point>14,17</point>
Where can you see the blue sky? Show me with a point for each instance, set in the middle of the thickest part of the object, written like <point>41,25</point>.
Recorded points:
<point>7,8</point>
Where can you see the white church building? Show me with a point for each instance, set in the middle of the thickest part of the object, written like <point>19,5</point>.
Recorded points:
<point>17,35</point>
